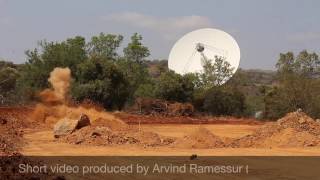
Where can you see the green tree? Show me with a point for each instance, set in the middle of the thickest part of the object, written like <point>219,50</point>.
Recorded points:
<point>286,63</point>
<point>174,87</point>
<point>298,86</point>
<point>9,74</point>
<point>216,73</point>
<point>8,78</point>
<point>222,101</point>
<point>145,91</point>
<point>101,81</point>
<point>104,46</point>
<point>135,51</point>
<point>308,64</point>
<point>35,72</point>
<point>136,74</point>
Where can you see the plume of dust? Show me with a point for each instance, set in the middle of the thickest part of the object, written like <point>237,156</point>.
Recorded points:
<point>54,106</point>
<point>60,82</point>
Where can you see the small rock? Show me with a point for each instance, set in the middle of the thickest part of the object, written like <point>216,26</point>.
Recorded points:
<point>83,121</point>
<point>3,120</point>
<point>95,134</point>
<point>193,156</point>
<point>301,121</point>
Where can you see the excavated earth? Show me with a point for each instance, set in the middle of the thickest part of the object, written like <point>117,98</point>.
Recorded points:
<point>101,135</point>
<point>11,141</point>
<point>296,129</point>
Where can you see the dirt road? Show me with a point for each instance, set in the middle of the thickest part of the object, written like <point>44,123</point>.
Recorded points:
<point>42,143</point>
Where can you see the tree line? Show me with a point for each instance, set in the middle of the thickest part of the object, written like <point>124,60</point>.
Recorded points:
<point>114,81</point>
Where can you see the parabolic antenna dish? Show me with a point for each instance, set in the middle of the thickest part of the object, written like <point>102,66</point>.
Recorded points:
<point>187,53</point>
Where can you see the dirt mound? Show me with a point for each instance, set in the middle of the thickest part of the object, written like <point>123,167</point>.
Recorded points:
<point>296,129</point>
<point>290,137</point>
<point>300,122</point>
<point>202,138</point>
<point>100,135</point>
<point>111,122</point>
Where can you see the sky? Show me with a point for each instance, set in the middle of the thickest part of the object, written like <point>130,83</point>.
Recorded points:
<point>263,29</point>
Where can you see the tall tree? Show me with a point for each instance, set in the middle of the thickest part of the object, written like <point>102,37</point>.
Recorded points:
<point>135,51</point>
<point>40,62</point>
<point>104,46</point>
<point>216,73</point>
<point>174,87</point>
<point>298,85</point>
<point>100,81</point>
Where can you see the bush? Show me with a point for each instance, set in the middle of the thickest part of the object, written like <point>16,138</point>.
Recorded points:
<point>174,87</point>
<point>145,91</point>
<point>102,82</point>
<point>222,101</point>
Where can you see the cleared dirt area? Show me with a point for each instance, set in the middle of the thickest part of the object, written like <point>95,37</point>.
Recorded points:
<point>197,119</point>
<point>224,130</point>
<point>38,136</point>
<point>44,144</point>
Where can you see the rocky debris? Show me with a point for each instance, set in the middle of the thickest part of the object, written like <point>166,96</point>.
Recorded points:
<point>150,106</point>
<point>67,126</point>
<point>100,135</point>
<point>10,135</point>
<point>113,124</point>
<point>300,122</point>
<point>180,109</point>
<point>202,138</point>
<point>296,129</point>
<point>88,135</point>
<point>9,141</point>
<point>11,132</point>
<point>161,107</point>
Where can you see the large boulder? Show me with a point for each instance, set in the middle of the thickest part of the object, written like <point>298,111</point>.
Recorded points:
<point>66,125</point>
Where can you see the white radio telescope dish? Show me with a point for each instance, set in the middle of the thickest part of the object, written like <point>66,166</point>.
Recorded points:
<point>187,53</point>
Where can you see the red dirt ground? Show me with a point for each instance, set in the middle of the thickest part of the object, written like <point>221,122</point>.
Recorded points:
<point>143,119</point>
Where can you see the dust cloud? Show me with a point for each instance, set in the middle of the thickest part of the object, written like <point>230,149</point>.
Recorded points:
<point>60,81</point>
<point>56,105</point>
